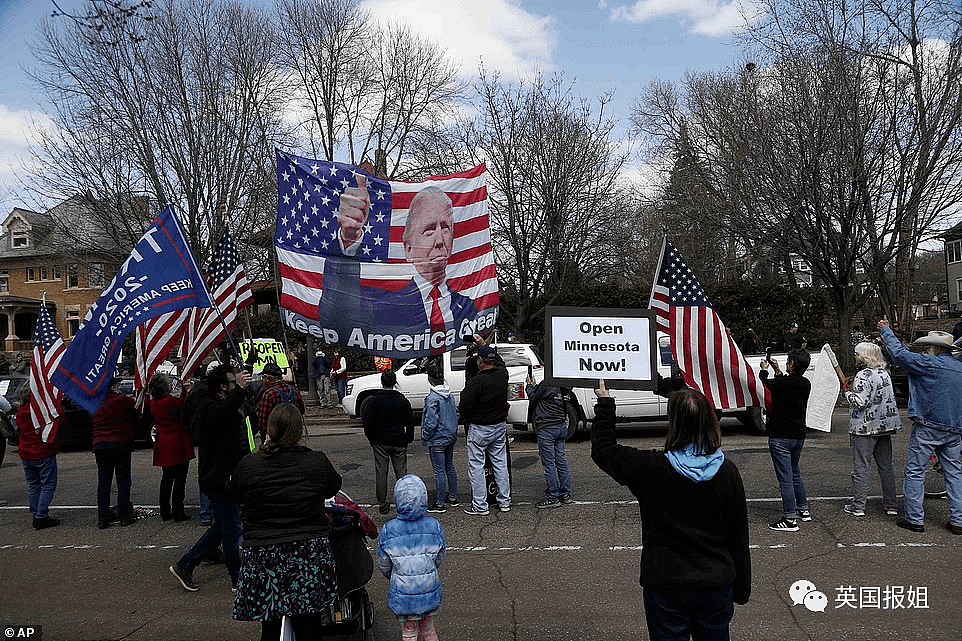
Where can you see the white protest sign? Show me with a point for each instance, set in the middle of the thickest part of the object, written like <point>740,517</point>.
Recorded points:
<point>824,395</point>
<point>585,344</point>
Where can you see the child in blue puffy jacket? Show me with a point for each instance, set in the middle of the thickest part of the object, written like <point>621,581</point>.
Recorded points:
<point>409,551</point>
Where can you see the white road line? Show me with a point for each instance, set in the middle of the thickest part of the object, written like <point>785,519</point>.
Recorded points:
<point>477,548</point>
<point>616,502</point>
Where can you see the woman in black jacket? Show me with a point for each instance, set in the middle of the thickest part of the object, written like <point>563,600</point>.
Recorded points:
<point>694,519</point>
<point>288,567</point>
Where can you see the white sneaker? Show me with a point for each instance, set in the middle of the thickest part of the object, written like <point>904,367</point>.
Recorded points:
<point>850,509</point>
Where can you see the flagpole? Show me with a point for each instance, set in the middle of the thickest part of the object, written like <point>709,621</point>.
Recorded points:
<point>661,257</point>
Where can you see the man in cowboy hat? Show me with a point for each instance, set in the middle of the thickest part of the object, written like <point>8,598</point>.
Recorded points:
<point>935,408</point>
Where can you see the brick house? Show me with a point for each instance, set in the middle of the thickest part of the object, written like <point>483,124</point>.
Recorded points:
<point>35,257</point>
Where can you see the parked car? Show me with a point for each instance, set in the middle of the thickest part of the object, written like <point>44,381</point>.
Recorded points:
<point>76,425</point>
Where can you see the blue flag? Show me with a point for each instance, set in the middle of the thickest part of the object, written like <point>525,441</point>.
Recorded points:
<point>159,276</point>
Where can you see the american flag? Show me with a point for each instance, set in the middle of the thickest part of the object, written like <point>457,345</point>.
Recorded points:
<point>700,344</point>
<point>230,291</point>
<point>48,348</point>
<point>307,231</point>
<point>154,341</point>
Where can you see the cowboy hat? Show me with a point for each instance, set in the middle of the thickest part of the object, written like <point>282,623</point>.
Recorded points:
<point>936,339</point>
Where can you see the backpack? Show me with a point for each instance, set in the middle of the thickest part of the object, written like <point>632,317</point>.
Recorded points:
<point>290,396</point>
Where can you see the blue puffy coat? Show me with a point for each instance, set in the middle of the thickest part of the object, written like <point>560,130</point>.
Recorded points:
<point>409,551</point>
<point>439,422</point>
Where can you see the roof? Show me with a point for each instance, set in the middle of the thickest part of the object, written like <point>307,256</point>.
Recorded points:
<point>50,239</point>
<point>952,233</point>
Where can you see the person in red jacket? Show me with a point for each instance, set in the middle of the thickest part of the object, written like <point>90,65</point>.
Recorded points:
<point>113,440</point>
<point>39,461</point>
<point>172,449</point>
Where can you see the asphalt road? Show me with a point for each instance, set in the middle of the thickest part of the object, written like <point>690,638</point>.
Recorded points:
<point>566,573</point>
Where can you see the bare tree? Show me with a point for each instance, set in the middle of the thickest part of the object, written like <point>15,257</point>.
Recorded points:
<point>807,155</point>
<point>365,90</point>
<point>912,64</point>
<point>553,176</point>
<point>185,115</point>
<point>324,46</point>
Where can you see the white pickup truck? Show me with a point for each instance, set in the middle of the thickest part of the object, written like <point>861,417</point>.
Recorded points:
<point>630,405</point>
<point>412,378</point>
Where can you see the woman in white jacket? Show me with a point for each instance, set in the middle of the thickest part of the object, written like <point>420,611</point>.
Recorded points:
<point>873,421</point>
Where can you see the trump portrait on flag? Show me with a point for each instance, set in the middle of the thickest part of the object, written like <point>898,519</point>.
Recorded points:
<point>397,269</point>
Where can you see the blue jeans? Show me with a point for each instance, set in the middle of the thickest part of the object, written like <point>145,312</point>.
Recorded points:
<point>551,447</point>
<point>113,459</point>
<point>490,439</point>
<point>947,446</point>
<point>206,507</point>
<point>445,476</point>
<point>41,483</point>
<point>227,530</point>
<point>341,386</point>
<point>677,615</point>
<point>785,454</point>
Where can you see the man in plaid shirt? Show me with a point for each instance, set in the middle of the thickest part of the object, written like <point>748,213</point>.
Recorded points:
<point>276,391</point>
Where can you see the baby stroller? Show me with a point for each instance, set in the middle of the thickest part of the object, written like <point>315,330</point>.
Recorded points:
<point>354,567</point>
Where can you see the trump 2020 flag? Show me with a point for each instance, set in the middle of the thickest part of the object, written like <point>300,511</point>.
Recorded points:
<point>393,268</point>
<point>700,344</point>
<point>159,276</point>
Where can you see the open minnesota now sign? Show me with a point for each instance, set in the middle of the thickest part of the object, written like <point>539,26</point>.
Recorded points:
<point>583,344</point>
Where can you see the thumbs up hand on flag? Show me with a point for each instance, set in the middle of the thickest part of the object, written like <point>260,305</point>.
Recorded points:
<point>352,214</point>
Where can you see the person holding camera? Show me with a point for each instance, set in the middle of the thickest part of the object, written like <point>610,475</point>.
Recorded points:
<point>695,562</point>
<point>785,427</point>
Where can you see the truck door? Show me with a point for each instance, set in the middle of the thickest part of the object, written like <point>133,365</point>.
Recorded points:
<point>454,370</point>
<point>412,381</point>
<point>665,360</point>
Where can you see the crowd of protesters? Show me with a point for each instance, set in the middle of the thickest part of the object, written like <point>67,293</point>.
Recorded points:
<point>273,496</point>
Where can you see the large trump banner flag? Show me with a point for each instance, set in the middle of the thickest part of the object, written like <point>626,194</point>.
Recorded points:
<point>384,267</point>
<point>159,276</point>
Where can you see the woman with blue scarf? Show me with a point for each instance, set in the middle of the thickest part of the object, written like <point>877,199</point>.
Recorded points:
<point>695,562</point>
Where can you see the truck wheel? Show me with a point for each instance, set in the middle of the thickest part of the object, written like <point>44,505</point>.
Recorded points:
<point>753,418</point>
<point>574,420</point>
<point>363,406</point>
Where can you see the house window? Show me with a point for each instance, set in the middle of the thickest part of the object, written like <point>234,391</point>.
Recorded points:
<point>43,273</point>
<point>4,285</point>
<point>58,272</point>
<point>19,239</point>
<point>95,275</point>
<point>31,274</point>
<point>73,276</point>
<point>953,251</point>
<point>73,322</point>
<point>958,289</point>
